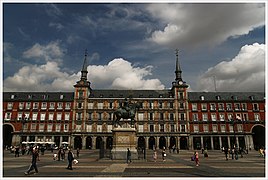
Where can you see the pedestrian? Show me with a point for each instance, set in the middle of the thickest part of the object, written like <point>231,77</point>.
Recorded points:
<point>70,158</point>
<point>17,151</point>
<point>205,153</point>
<point>63,154</point>
<point>196,158</point>
<point>77,152</point>
<point>59,154</point>
<point>155,155</point>
<point>35,157</point>
<point>164,154</point>
<point>128,155</point>
<point>226,153</point>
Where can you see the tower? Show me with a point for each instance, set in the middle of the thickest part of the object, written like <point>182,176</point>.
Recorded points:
<point>81,94</point>
<point>179,91</point>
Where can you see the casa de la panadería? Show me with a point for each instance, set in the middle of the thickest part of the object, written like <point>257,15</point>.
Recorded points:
<point>172,117</point>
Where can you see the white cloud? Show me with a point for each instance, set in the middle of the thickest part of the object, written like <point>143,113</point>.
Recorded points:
<point>118,74</point>
<point>245,72</point>
<point>58,26</point>
<point>51,51</point>
<point>204,24</point>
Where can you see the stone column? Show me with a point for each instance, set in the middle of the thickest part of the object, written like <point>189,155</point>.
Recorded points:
<point>93,142</point>
<point>212,143</point>
<point>191,147</point>
<point>202,144</point>
<point>229,144</point>
<point>220,141</point>
<point>84,138</point>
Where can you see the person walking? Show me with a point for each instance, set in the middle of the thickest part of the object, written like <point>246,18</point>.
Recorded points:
<point>164,154</point>
<point>155,156</point>
<point>196,158</point>
<point>226,153</point>
<point>35,157</point>
<point>70,158</point>
<point>128,155</point>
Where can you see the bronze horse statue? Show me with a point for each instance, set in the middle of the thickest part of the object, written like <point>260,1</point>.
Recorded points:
<point>127,112</point>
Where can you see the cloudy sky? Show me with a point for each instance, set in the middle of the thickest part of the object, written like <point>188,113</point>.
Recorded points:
<point>132,46</point>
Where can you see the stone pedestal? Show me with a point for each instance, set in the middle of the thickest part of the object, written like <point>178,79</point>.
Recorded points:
<point>124,137</point>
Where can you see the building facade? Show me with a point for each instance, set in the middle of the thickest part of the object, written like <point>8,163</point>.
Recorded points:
<point>166,118</point>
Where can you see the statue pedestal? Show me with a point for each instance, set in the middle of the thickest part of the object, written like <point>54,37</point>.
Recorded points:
<point>124,137</point>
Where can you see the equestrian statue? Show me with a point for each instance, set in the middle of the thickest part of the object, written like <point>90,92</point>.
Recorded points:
<point>127,111</point>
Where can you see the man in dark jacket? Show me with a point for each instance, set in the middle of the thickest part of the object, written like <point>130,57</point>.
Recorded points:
<point>35,157</point>
<point>70,158</point>
<point>128,155</point>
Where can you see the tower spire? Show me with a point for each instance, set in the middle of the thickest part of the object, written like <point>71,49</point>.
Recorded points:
<point>84,68</point>
<point>178,68</point>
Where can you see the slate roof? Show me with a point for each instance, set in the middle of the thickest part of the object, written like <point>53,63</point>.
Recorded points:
<point>38,96</point>
<point>114,94</point>
<point>226,96</point>
<point>131,93</point>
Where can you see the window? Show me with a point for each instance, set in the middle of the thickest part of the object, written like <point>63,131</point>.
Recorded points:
<point>182,117</point>
<point>99,128</point>
<point>196,128</point>
<point>239,127</point>
<point>215,128</point>
<point>41,127</point>
<point>78,116</point>
<point>28,105</point>
<point>213,117</point>
<point>49,127</point>
<point>89,128</point>
<point>99,116</point>
<point>110,127</point>
<point>194,107</point>
<point>231,128</point>
<point>34,116</point>
<point>12,96</point>
<point>172,129</point>
<point>205,127</point>
<point>52,105</point>
<point>43,116</point>
<point>230,117</point>
<point>160,105</point>
<point>35,105</point>
<point>80,94</point>
<point>222,117</point>
<point>100,105</point>
<point>68,105</point>
<point>89,116</point>
<point>170,104</point>
<point>8,116</point>
<point>111,105</point>
<point>59,116</point>
<point>203,107</point>
<point>222,128</point>
<point>171,116</point>
<point>221,106</point>
<point>90,105</point>
<point>21,105</point>
<point>161,127</point>
<point>51,116</point>
<point>140,116</point>
<point>67,116</point>
<point>140,128</point>
<point>202,98</point>
<point>151,116</point>
<point>151,128</point>
<point>195,117</point>
<point>238,117</point>
<point>181,105</point>
<point>237,106</point>
<point>245,117</point>
<point>180,95</point>
<point>229,107</point>
<point>33,127</point>
<point>61,96</point>
<point>255,107</point>
<point>151,105</point>
<point>257,117</point>
<point>212,107</point>
<point>44,105</point>
<point>205,116</point>
<point>57,127</point>
<point>182,128</point>
<point>66,127</point>
<point>19,116</point>
<point>59,105</point>
<point>9,105</point>
<point>244,106</point>
<point>161,116</point>
<point>79,105</point>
